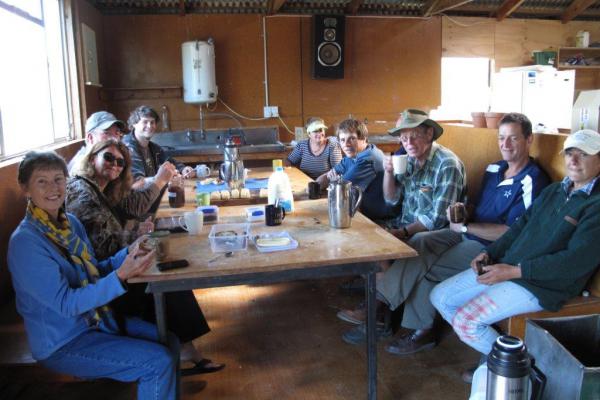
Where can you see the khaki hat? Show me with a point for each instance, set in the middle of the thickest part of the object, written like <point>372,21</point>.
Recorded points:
<point>102,120</point>
<point>316,125</point>
<point>411,118</point>
<point>585,140</point>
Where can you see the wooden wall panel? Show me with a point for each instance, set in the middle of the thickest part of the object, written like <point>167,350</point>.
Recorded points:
<point>468,37</point>
<point>284,52</point>
<point>390,64</point>
<point>509,46</point>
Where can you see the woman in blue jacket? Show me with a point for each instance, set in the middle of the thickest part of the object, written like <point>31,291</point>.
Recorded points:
<point>62,292</point>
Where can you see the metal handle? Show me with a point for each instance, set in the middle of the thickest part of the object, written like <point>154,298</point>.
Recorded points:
<point>358,201</point>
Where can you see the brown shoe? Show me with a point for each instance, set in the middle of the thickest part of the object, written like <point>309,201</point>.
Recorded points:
<point>359,314</point>
<point>411,342</point>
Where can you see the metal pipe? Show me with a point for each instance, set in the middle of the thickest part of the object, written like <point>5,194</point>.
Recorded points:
<point>202,134</point>
<point>264,26</point>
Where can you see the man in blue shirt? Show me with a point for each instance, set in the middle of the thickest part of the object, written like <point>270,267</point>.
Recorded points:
<point>363,166</point>
<point>509,187</point>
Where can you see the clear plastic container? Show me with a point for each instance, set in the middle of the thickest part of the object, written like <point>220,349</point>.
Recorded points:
<point>292,243</point>
<point>229,237</point>
<point>280,190</point>
<point>256,213</point>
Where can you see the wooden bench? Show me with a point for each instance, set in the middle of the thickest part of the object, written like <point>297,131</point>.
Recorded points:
<point>578,306</point>
<point>16,360</point>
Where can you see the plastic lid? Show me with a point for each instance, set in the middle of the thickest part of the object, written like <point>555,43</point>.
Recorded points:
<point>208,209</point>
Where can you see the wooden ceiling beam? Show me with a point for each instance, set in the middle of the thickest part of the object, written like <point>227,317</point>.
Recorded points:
<point>507,8</point>
<point>273,6</point>
<point>433,7</point>
<point>575,8</point>
<point>353,6</point>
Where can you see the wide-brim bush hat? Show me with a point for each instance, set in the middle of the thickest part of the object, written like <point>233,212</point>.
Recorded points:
<point>411,118</point>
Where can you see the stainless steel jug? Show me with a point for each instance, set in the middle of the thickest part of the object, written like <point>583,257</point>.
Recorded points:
<point>343,199</point>
<point>511,372</point>
<point>232,169</point>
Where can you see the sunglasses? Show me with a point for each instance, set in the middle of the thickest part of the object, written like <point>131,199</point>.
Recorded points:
<point>110,158</point>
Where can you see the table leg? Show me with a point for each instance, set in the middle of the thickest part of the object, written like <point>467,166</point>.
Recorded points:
<point>161,317</point>
<point>371,336</point>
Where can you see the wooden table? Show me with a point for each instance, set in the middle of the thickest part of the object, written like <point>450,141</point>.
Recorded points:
<point>298,181</point>
<point>323,252</point>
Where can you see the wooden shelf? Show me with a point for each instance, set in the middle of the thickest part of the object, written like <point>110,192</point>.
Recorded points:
<point>588,53</point>
<point>141,93</point>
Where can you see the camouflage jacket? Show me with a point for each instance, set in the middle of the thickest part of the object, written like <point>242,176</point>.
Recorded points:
<point>105,225</point>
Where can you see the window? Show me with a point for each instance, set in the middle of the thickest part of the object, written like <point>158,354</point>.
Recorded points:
<point>35,107</point>
<point>465,88</point>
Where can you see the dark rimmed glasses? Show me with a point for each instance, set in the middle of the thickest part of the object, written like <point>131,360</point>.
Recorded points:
<point>111,158</point>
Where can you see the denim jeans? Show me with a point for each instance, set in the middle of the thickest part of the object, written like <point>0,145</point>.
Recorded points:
<point>136,357</point>
<point>471,307</point>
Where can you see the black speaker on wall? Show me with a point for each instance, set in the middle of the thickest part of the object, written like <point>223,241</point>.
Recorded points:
<point>328,47</point>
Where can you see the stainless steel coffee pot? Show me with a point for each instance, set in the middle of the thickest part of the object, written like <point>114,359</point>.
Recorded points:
<point>511,373</point>
<point>232,169</point>
<point>343,200</point>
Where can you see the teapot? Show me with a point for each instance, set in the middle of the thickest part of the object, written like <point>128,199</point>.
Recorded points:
<point>232,170</point>
<point>343,200</point>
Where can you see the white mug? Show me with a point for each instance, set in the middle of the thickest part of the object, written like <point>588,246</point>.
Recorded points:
<point>202,171</point>
<point>400,162</point>
<point>192,222</point>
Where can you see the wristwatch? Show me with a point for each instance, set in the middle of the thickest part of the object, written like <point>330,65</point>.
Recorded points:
<point>463,229</point>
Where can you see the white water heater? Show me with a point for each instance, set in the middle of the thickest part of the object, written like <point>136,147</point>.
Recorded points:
<point>199,83</point>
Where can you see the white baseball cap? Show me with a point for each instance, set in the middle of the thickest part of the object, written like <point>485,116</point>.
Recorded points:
<point>585,140</point>
<point>316,125</point>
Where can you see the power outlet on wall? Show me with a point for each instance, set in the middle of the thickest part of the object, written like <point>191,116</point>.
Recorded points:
<point>271,111</point>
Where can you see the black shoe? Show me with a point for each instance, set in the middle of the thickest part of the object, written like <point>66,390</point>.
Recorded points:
<point>204,366</point>
<point>411,342</point>
<point>358,334</point>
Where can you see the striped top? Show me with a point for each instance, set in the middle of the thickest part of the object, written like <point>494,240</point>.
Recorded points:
<point>314,166</point>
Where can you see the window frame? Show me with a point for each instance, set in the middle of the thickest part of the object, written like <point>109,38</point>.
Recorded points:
<point>68,56</point>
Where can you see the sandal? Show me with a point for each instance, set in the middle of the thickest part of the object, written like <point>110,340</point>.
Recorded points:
<point>204,366</point>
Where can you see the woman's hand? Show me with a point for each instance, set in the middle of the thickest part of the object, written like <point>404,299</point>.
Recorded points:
<point>136,263</point>
<point>145,227</point>
<point>138,246</point>
<point>482,257</point>
<point>332,175</point>
<point>188,172</point>
<point>164,174</point>
<point>497,273</point>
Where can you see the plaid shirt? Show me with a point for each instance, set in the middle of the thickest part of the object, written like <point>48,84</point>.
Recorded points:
<point>567,183</point>
<point>427,192</point>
